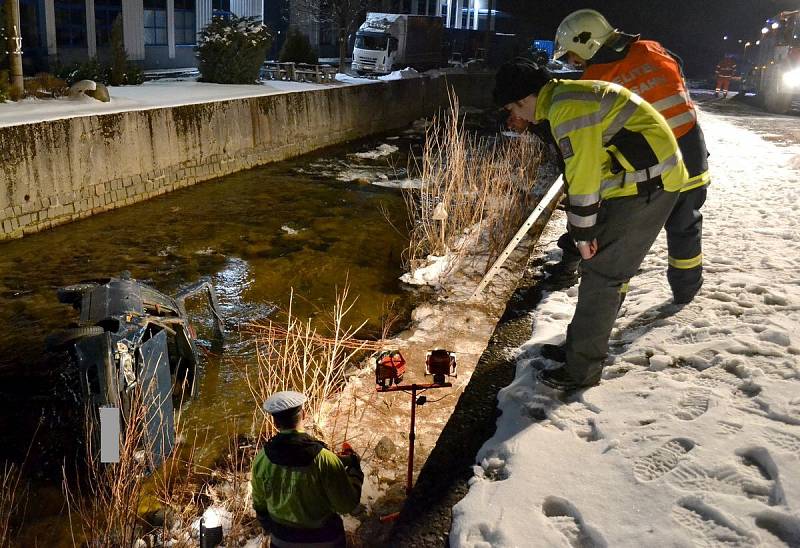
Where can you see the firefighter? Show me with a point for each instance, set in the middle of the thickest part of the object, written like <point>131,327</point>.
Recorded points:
<point>299,486</point>
<point>726,69</point>
<point>646,68</point>
<point>623,171</point>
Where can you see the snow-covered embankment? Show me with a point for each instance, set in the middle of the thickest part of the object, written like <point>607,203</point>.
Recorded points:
<point>693,437</point>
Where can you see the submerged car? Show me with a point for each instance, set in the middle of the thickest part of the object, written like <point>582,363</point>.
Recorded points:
<point>135,350</point>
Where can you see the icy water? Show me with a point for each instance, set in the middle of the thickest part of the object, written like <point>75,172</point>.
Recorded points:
<point>297,224</point>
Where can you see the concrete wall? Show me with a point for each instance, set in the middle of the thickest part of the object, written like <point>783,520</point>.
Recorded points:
<point>55,172</point>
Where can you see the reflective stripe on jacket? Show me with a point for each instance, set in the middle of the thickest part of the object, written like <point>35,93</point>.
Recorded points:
<point>299,483</point>
<point>648,70</point>
<point>611,141</point>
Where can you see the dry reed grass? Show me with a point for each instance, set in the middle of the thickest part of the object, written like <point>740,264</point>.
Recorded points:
<point>485,186</point>
<point>11,496</point>
<point>293,354</point>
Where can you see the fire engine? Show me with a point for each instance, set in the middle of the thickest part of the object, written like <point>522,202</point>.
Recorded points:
<point>775,76</point>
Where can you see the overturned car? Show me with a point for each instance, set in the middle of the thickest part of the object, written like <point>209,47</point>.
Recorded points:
<point>135,350</point>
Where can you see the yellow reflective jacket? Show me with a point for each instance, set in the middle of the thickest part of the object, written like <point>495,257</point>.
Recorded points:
<point>297,482</point>
<point>612,142</point>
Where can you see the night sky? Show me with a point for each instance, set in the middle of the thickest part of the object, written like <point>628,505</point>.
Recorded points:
<point>693,29</point>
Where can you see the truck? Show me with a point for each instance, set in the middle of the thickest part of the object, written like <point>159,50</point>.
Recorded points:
<point>775,60</point>
<point>392,41</point>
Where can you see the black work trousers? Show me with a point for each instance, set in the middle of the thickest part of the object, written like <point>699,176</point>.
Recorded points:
<point>627,229</point>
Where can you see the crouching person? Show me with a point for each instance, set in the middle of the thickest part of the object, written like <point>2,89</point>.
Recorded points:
<point>623,171</point>
<point>299,486</point>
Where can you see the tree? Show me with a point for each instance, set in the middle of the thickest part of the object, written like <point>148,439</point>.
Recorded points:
<point>14,45</point>
<point>297,48</point>
<point>344,15</point>
<point>232,51</point>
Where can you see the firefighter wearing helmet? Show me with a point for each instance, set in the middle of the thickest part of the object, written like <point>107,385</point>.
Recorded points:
<point>587,39</point>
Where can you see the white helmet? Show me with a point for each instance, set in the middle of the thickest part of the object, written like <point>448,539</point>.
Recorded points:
<point>582,32</point>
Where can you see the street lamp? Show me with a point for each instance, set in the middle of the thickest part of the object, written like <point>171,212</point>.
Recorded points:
<point>765,30</point>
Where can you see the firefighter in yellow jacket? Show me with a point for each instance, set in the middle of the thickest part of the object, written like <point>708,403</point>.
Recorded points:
<point>587,39</point>
<point>623,171</point>
<point>299,486</point>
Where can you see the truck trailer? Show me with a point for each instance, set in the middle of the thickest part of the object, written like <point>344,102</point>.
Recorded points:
<point>392,41</point>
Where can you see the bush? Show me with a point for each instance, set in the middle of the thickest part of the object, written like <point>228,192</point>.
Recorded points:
<point>93,70</point>
<point>297,48</point>
<point>231,51</point>
<point>45,85</point>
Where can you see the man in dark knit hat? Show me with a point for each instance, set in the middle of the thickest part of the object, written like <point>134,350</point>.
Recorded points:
<point>623,171</point>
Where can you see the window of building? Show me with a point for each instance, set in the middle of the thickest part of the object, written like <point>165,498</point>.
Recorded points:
<point>70,23</point>
<point>155,22</point>
<point>185,33</point>
<point>105,12</point>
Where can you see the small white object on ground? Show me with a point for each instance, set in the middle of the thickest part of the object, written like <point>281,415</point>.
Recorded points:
<point>79,88</point>
<point>403,74</point>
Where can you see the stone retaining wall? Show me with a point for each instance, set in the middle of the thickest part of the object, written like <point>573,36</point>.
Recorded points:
<point>59,171</point>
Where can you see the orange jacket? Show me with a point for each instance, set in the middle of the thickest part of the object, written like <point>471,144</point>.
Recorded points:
<point>726,68</point>
<point>650,71</point>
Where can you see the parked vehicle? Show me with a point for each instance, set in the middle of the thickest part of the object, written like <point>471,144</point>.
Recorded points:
<point>135,350</point>
<point>775,59</point>
<point>392,41</point>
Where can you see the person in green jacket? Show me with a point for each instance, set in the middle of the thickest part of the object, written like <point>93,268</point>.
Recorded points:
<point>623,173</point>
<point>300,488</point>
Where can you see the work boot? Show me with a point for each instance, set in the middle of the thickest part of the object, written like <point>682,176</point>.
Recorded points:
<point>554,352</point>
<point>562,274</point>
<point>686,297</point>
<point>560,379</point>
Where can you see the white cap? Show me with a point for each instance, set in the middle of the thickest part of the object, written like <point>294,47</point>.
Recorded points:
<point>283,401</point>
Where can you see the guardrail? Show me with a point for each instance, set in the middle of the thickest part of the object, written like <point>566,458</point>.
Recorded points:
<point>299,72</point>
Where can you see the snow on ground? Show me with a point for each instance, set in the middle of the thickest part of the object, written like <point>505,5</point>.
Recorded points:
<point>693,437</point>
<point>154,94</point>
<point>384,149</point>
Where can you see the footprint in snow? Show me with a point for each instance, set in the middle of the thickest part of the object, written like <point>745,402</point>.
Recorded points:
<point>709,527</point>
<point>755,476</point>
<point>692,405</point>
<point>579,419</point>
<point>567,519</point>
<point>785,528</point>
<point>663,460</point>
<point>783,440</point>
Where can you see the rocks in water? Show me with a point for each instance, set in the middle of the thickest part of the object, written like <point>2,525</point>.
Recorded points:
<point>385,449</point>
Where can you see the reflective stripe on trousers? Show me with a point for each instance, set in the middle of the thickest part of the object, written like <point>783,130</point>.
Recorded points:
<point>686,264</point>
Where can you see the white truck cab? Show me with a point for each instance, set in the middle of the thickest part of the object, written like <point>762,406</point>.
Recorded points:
<point>391,41</point>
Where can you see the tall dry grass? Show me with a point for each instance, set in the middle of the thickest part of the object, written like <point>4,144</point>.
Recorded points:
<point>294,354</point>
<point>103,499</point>
<point>11,497</point>
<point>486,186</point>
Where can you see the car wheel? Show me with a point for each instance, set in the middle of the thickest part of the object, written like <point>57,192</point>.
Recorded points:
<point>60,339</point>
<point>72,294</point>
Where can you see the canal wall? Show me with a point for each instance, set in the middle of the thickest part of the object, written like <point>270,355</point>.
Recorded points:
<point>59,171</point>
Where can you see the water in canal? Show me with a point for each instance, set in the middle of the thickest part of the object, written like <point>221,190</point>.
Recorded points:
<point>256,233</point>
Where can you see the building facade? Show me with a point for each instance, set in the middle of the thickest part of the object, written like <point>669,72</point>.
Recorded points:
<point>157,33</point>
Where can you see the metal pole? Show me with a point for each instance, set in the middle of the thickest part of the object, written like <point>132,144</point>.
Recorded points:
<point>411,437</point>
<point>14,47</point>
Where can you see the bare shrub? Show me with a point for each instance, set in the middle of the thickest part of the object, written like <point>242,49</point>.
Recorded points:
<point>293,355</point>
<point>486,187</point>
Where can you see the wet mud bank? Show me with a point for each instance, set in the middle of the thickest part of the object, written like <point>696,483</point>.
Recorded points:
<point>63,170</point>
<point>442,482</point>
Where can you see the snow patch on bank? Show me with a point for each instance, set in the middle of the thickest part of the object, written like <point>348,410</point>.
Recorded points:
<point>693,436</point>
<point>384,149</point>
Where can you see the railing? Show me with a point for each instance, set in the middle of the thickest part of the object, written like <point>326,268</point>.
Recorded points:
<point>299,72</point>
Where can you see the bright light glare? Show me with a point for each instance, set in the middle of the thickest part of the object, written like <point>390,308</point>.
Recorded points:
<point>775,25</point>
<point>792,78</point>
<point>765,30</point>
